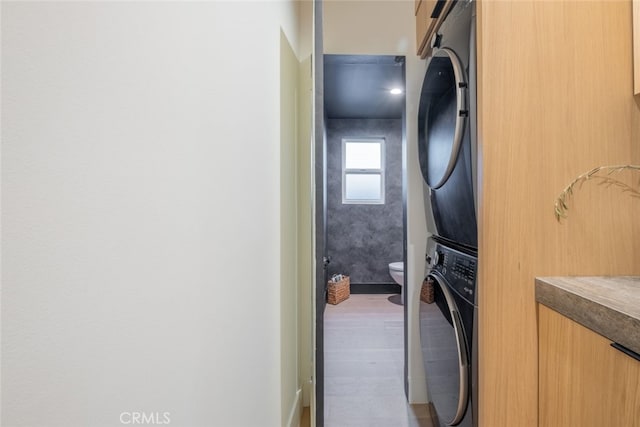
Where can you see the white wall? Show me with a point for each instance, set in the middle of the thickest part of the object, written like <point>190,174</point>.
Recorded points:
<point>140,175</point>
<point>305,228</point>
<point>291,391</point>
<point>374,27</point>
<point>304,198</point>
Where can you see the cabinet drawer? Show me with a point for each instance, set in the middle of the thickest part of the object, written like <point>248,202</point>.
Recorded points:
<point>584,382</point>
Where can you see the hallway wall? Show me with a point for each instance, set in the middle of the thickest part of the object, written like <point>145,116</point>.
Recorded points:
<point>141,212</point>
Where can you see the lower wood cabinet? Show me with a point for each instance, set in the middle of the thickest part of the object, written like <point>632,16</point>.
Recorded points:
<point>583,380</point>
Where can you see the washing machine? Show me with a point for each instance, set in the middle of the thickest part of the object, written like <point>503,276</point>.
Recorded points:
<point>448,333</point>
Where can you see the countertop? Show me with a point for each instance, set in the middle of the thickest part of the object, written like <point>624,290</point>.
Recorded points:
<point>609,305</point>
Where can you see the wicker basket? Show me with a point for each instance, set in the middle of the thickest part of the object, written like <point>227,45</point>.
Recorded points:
<point>426,293</point>
<point>338,291</point>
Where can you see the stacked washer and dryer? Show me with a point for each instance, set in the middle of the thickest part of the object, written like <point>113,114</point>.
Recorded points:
<point>447,151</point>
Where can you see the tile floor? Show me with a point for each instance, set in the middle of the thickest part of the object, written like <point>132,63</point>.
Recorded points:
<point>364,365</point>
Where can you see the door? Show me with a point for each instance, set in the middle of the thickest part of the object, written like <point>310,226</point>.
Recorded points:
<point>444,147</point>
<point>445,353</point>
<point>441,117</point>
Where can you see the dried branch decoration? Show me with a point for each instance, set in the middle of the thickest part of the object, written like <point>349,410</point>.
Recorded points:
<point>561,202</point>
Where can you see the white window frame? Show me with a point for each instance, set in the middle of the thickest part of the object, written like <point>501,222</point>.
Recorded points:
<point>380,171</point>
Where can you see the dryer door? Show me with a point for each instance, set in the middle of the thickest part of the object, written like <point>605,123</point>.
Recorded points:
<point>442,116</point>
<point>445,353</point>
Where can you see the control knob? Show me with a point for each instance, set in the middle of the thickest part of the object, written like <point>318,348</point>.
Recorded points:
<point>438,258</point>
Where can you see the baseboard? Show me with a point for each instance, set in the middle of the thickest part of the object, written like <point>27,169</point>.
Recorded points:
<point>307,390</point>
<point>295,414</point>
<point>375,288</point>
<point>418,393</point>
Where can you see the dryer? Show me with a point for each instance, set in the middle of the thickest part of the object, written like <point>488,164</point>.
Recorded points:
<point>447,128</point>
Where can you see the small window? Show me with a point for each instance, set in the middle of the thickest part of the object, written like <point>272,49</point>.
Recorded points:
<point>363,171</point>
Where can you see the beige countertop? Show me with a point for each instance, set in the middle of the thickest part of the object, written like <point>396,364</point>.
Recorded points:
<point>609,305</point>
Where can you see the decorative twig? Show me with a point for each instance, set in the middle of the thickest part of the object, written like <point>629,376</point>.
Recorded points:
<point>561,207</point>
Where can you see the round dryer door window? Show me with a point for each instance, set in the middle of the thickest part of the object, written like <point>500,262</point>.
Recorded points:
<point>441,117</point>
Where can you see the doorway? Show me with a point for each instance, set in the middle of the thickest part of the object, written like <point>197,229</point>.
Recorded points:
<point>361,175</point>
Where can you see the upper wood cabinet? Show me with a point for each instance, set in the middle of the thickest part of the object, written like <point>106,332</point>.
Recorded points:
<point>584,381</point>
<point>429,16</point>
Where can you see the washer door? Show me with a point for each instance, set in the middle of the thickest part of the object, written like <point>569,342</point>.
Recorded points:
<point>445,353</point>
<point>442,116</point>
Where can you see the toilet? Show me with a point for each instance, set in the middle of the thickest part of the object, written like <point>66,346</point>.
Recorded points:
<point>396,270</point>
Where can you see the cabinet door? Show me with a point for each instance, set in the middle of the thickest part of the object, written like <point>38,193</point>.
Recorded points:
<point>583,380</point>
<point>425,24</point>
<point>636,47</point>
<point>429,17</point>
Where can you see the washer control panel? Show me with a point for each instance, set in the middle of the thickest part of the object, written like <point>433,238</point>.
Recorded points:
<point>457,268</point>
<point>464,268</point>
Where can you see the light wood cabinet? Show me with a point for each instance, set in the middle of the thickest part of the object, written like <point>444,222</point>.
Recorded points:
<point>549,108</point>
<point>583,380</point>
<point>429,16</point>
<point>636,47</point>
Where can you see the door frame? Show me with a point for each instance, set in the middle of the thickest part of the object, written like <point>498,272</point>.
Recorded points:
<point>320,203</point>
<point>320,218</point>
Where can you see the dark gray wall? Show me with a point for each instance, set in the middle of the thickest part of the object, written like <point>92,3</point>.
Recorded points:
<point>363,239</point>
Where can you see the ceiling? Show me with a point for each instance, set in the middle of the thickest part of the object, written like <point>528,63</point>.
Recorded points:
<point>357,86</point>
